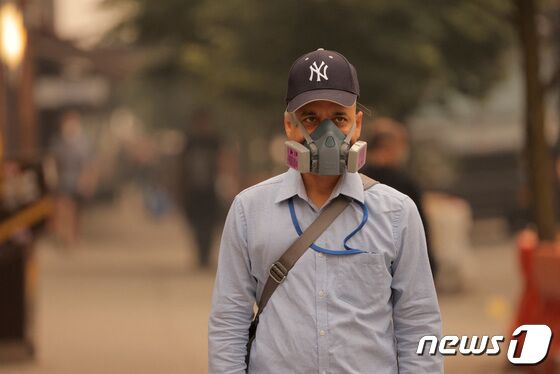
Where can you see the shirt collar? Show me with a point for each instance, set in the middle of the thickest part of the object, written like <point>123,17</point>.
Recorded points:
<point>350,184</point>
<point>291,185</point>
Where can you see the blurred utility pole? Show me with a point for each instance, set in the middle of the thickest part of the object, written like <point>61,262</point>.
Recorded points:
<point>16,83</point>
<point>554,84</point>
<point>537,154</point>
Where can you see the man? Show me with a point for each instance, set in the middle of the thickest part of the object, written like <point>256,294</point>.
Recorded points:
<point>356,303</point>
<point>198,178</point>
<point>388,149</point>
<point>73,157</point>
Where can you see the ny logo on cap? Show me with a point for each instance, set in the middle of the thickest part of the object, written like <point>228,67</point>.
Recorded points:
<point>320,71</point>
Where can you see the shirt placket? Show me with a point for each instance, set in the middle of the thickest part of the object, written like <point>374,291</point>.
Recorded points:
<point>322,317</point>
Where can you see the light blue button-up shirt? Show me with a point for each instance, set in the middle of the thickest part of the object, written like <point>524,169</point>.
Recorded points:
<point>360,313</point>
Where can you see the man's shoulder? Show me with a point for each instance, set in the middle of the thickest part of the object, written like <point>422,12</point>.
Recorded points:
<point>262,189</point>
<point>385,197</point>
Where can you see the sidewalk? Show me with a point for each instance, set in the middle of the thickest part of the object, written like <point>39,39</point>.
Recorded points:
<point>488,307</point>
<point>129,300</point>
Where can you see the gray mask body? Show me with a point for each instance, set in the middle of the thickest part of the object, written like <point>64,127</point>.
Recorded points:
<point>329,154</point>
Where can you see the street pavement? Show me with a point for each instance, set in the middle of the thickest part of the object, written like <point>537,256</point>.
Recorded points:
<point>129,299</point>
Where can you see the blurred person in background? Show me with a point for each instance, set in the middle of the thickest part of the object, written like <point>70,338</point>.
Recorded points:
<point>73,156</point>
<point>199,163</point>
<point>388,151</point>
<point>341,309</point>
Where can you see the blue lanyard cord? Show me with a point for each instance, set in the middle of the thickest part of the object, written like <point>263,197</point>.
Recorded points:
<point>348,250</point>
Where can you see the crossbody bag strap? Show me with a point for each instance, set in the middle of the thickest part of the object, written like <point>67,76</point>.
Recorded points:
<point>367,181</point>
<point>280,269</point>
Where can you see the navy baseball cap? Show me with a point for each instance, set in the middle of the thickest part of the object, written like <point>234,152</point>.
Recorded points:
<point>322,75</point>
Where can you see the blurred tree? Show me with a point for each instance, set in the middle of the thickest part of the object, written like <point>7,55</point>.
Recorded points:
<point>539,167</point>
<point>553,42</point>
<point>406,52</point>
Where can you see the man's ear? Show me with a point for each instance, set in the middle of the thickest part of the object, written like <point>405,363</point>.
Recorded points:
<point>289,127</point>
<point>359,118</point>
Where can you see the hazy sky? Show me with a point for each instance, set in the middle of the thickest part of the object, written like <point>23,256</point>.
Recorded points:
<point>82,19</point>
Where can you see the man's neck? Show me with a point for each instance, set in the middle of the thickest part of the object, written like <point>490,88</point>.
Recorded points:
<point>319,187</point>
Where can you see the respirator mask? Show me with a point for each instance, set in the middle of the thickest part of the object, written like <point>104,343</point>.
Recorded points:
<point>326,151</point>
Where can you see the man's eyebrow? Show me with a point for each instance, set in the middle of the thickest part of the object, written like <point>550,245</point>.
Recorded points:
<point>340,114</point>
<point>308,113</point>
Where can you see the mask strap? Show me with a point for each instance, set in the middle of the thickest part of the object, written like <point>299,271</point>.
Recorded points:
<point>350,133</point>
<point>306,135</point>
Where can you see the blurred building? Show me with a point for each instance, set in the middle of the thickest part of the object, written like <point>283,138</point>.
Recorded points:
<point>41,77</point>
<point>55,75</point>
<point>70,77</point>
<point>474,149</point>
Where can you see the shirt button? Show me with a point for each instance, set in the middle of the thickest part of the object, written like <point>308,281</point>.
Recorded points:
<point>320,254</point>
<point>322,332</point>
<point>321,293</point>
<point>324,372</point>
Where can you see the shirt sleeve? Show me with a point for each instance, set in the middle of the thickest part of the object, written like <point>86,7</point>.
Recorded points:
<point>232,299</point>
<point>415,306</point>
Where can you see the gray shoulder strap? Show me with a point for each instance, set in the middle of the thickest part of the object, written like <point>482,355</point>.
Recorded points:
<point>279,270</point>
<point>367,181</point>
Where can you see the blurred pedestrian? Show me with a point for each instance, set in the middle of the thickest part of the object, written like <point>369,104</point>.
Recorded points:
<point>388,150</point>
<point>72,153</point>
<point>199,173</point>
<point>359,295</point>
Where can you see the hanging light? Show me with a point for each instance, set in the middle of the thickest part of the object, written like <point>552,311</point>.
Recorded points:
<point>13,36</point>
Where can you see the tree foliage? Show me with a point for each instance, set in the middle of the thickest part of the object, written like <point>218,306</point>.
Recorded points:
<point>406,52</point>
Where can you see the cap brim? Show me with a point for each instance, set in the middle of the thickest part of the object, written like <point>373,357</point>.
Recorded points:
<point>343,98</point>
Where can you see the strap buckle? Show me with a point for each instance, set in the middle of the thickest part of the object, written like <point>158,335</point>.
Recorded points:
<point>278,272</point>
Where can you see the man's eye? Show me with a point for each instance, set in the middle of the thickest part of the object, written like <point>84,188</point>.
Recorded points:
<point>310,120</point>
<point>340,120</point>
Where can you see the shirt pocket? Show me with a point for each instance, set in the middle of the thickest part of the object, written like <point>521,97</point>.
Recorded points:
<point>360,279</point>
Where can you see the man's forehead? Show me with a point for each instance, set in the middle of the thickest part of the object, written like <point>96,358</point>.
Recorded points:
<point>325,106</point>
